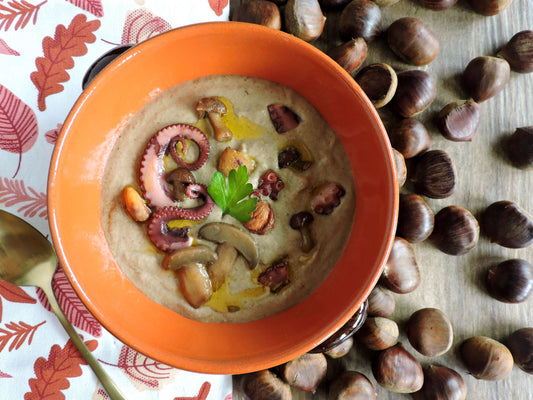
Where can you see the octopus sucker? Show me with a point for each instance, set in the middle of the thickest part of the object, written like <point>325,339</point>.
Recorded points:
<point>170,239</point>
<point>152,168</point>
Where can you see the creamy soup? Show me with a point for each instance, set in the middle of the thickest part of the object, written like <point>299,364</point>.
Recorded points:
<point>203,263</point>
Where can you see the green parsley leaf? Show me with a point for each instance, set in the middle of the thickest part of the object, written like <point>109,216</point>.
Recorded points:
<point>232,196</point>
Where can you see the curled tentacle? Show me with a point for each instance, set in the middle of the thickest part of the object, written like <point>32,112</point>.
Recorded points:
<point>152,169</point>
<point>198,137</point>
<point>170,239</point>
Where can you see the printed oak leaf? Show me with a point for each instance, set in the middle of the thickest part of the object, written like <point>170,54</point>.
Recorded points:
<point>5,49</point>
<point>52,135</point>
<point>17,334</point>
<point>58,56</point>
<point>18,125</point>
<point>18,12</point>
<point>142,24</point>
<point>52,374</point>
<point>144,372</point>
<point>202,393</point>
<point>14,294</point>
<point>218,6</point>
<point>14,192</point>
<point>92,6</point>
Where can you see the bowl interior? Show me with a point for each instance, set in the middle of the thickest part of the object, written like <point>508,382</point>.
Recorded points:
<point>87,139</point>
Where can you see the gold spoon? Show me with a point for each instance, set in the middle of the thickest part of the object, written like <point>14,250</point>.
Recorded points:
<point>27,258</point>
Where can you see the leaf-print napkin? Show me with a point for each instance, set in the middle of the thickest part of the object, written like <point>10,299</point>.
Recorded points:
<point>46,47</point>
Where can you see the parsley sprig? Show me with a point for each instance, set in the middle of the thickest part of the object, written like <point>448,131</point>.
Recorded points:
<point>232,196</point>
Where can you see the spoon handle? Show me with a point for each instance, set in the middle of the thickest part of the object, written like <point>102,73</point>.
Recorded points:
<point>105,380</point>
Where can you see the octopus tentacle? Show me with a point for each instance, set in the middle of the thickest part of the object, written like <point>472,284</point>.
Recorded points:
<point>198,137</point>
<point>167,239</point>
<point>152,168</point>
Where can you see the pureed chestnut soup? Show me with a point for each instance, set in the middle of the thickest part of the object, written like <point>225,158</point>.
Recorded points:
<point>228,199</point>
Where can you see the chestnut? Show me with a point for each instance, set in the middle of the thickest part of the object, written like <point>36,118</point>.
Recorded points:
<point>520,343</point>
<point>438,5</point>
<point>379,82</point>
<point>378,333</point>
<point>381,303</point>
<point>519,52</point>
<point>351,385</point>
<point>486,358</point>
<point>410,137</point>
<point>489,7</point>
<point>430,332</point>
<point>360,18</point>
<point>304,19</point>
<point>456,230</point>
<point>441,383</point>
<point>508,225</point>
<point>415,92</point>
<point>397,370</point>
<point>486,76</point>
<point>401,167</point>
<point>413,41</point>
<point>350,55</point>
<point>305,372</point>
<point>265,385</point>
<point>415,218</point>
<point>259,12</point>
<point>341,349</point>
<point>333,4</point>
<point>458,121</point>
<point>519,147</point>
<point>434,174</point>
<point>511,281</point>
<point>401,273</point>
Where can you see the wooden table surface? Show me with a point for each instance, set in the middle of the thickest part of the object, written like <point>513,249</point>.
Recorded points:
<point>455,284</point>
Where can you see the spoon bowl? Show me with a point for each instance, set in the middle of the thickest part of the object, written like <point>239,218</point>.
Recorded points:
<point>27,258</point>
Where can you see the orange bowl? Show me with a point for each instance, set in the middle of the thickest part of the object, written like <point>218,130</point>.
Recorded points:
<point>85,143</point>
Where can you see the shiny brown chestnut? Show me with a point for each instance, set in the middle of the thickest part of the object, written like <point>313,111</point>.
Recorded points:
<point>519,147</point>
<point>508,224</point>
<point>378,333</point>
<point>519,52</point>
<point>351,385</point>
<point>350,55</point>
<point>486,76</point>
<point>397,370</point>
<point>458,121</point>
<point>438,5</point>
<point>341,349</point>
<point>489,7</point>
<point>434,174</point>
<point>456,230</point>
<point>441,383</point>
<point>259,12</point>
<point>401,167</point>
<point>360,18</point>
<point>415,92</point>
<point>415,218</point>
<point>381,303</point>
<point>265,385</point>
<point>379,82</point>
<point>511,281</point>
<point>430,332</point>
<point>410,137</point>
<point>413,41</point>
<point>486,358</point>
<point>520,343</point>
<point>333,4</point>
<point>401,273</point>
<point>304,19</point>
<point>305,372</point>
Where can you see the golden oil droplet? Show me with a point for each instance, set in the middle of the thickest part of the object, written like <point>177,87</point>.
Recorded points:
<point>240,127</point>
<point>224,301</point>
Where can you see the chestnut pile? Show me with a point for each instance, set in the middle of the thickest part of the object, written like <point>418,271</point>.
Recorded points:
<point>454,230</point>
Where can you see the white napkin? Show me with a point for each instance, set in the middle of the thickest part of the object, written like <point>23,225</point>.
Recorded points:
<point>45,50</point>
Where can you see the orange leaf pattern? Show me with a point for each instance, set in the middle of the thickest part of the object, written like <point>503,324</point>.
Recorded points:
<point>14,192</point>
<point>141,24</point>
<point>218,6</point>
<point>18,333</point>
<point>5,49</point>
<point>93,6</point>
<point>58,52</point>
<point>18,12</point>
<point>202,394</point>
<point>52,374</point>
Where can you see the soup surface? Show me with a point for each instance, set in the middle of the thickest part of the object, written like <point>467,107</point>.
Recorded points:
<point>236,272</point>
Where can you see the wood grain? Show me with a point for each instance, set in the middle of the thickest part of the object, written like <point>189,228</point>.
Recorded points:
<point>455,284</point>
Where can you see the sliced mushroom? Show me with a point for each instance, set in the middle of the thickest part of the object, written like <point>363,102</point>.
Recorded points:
<point>220,232</point>
<point>194,284</point>
<point>179,178</point>
<point>215,109</point>
<point>188,255</point>
<point>218,270</point>
<point>302,222</point>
